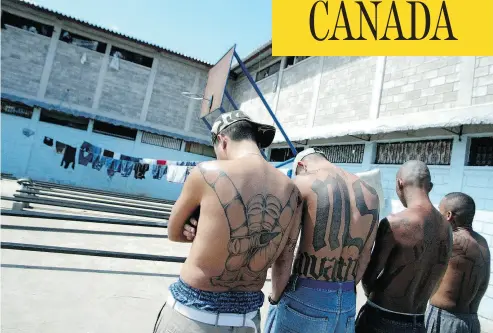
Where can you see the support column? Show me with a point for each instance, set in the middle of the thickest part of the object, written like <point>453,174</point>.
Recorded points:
<point>90,126</point>
<point>102,74</point>
<point>457,163</point>
<point>192,103</point>
<point>466,81</point>
<point>45,75</point>
<point>316,90</point>
<point>377,87</point>
<point>150,87</point>
<point>275,102</point>
<point>369,155</point>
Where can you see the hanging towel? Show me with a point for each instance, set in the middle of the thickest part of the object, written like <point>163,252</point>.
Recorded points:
<point>140,170</point>
<point>69,157</point>
<point>48,141</point>
<point>85,153</point>
<point>127,167</point>
<point>108,153</point>
<point>117,156</point>
<point>149,161</point>
<point>161,162</point>
<point>158,171</point>
<point>60,147</point>
<point>176,174</point>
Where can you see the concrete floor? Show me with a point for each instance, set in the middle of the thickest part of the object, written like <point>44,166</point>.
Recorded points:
<point>50,293</point>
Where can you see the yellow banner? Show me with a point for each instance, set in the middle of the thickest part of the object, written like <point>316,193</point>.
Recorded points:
<point>398,27</point>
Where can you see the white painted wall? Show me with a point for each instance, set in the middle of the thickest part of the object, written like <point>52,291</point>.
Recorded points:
<point>23,156</point>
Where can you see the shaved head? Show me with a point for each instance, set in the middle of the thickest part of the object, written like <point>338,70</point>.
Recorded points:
<point>461,206</point>
<point>415,174</point>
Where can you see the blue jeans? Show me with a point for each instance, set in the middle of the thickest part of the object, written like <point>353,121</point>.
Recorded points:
<point>306,309</point>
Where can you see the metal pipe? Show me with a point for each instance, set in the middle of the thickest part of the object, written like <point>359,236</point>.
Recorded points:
<point>87,252</point>
<point>259,93</point>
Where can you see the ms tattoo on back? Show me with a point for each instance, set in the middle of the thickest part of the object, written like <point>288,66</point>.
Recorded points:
<point>333,212</point>
<point>257,227</point>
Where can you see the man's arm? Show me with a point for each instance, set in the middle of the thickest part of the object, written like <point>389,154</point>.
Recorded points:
<point>281,269</point>
<point>185,206</point>
<point>384,244</point>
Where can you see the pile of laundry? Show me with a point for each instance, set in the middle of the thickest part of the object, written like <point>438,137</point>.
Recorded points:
<point>99,158</point>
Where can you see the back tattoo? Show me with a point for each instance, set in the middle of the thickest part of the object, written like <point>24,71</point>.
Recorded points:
<point>257,227</point>
<point>333,212</point>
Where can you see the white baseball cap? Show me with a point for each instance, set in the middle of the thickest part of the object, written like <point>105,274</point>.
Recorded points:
<point>302,155</point>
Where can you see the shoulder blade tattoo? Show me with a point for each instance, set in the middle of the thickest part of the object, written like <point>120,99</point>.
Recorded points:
<point>256,230</point>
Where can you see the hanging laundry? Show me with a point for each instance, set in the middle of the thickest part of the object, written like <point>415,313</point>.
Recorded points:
<point>176,174</point>
<point>140,170</point>
<point>108,153</point>
<point>161,162</point>
<point>85,153</point>
<point>149,161</point>
<point>98,161</point>
<point>127,167</point>
<point>159,170</point>
<point>115,61</point>
<point>69,157</point>
<point>48,141</point>
<point>114,167</point>
<point>60,147</point>
<point>130,158</point>
<point>117,156</point>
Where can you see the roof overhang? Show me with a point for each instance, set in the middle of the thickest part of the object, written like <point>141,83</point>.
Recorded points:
<point>364,129</point>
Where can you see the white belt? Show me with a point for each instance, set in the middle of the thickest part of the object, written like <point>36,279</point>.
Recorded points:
<point>216,319</point>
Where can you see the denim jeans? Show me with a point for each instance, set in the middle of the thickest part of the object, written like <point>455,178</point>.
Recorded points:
<point>441,321</point>
<point>304,309</point>
<point>372,319</point>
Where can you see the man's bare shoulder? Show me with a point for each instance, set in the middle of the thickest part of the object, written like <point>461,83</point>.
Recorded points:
<point>405,226</point>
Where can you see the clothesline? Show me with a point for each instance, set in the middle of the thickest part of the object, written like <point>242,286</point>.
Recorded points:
<point>114,162</point>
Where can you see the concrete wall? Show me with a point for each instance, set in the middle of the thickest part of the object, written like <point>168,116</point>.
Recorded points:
<point>71,81</point>
<point>416,84</point>
<point>23,59</point>
<point>49,70</point>
<point>483,80</point>
<point>23,156</point>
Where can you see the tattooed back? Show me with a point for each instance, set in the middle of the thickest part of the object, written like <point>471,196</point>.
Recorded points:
<point>340,220</point>
<point>415,245</point>
<point>467,276</point>
<point>247,212</point>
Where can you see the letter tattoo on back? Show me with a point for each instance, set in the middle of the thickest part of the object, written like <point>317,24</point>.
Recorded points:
<point>257,227</point>
<point>336,208</point>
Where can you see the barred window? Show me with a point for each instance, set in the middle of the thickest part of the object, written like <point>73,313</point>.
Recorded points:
<point>282,154</point>
<point>432,152</point>
<point>481,152</point>
<point>161,140</point>
<point>114,130</point>
<point>199,149</point>
<point>16,109</point>
<point>343,153</point>
<point>63,119</point>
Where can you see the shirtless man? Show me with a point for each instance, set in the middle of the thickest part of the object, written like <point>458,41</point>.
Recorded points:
<point>410,256</point>
<point>454,306</point>
<point>249,220</point>
<point>339,226</point>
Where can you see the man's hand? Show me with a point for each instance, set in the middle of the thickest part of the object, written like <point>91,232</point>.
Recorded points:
<point>190,229</point>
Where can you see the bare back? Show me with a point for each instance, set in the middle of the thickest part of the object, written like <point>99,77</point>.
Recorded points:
<point>418,243</point>
<point>466,279</point>
<point>340,219</point>
<point>247,212</point>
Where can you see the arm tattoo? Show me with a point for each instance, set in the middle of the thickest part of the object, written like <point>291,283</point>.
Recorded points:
<point>256,230</point>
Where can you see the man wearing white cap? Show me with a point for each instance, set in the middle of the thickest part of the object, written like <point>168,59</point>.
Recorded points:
<point>339,225</point>
<point>249,221</point>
